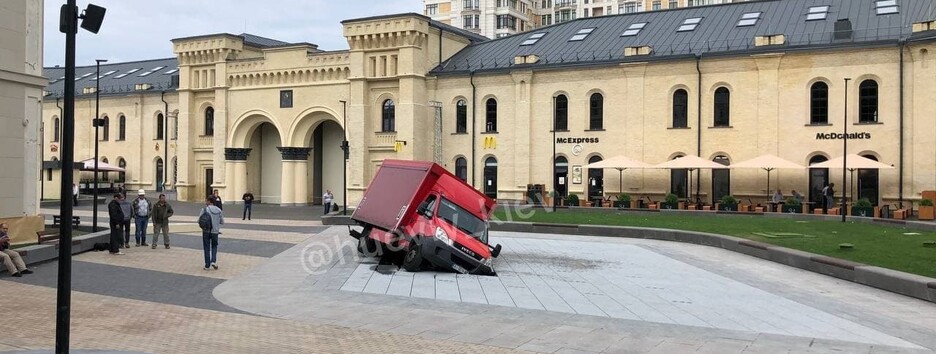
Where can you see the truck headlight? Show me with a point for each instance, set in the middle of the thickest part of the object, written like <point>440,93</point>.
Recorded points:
<point>442,236</point>
<point>488,262</point>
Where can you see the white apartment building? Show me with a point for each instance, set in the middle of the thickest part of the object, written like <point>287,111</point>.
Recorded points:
<point>498,18</point>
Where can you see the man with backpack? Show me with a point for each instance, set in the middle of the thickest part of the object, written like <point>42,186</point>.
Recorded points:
<point>210,220</point>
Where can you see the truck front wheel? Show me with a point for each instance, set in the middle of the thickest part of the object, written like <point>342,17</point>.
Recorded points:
<point>413,259</point>
<point>368,247</point>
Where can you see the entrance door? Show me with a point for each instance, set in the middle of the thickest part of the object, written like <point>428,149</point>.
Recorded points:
<point>721,179</point>
<point>595,182</point>
<point>818,178</point>
<point>561,178</point>
<point>209,177</point>
<point>160,168</point>
<point>490,177</point>
<point>868,183</point>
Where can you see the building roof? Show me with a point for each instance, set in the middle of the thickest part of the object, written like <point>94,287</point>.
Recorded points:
<point>261,42</point>
<point>117,78</point>
<point>719,31</point>
<point>471,36</point>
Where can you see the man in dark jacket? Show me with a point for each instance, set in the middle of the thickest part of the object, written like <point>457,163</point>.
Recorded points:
<point>216,199</point>
<point>248,205</point>
<point>161,213</point>
<point>116,223</point>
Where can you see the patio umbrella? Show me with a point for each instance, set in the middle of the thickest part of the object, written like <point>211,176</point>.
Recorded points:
<point>88,165</point>
<point>689,163</point>
<point>619,163</point>
<point>853,162</point>
<point>768,163</point>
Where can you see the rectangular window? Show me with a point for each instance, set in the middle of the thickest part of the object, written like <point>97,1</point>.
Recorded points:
<point>886,7</point>
<point>630,7</point>
<point>657,5</point>
<point>533,38</point>
<point>673,4</point>
<point>689,24</point>
<point>634,29</point>
<point>585,12</point>
<point>817,13</point>
<point>581,34</point>
<point>749,19</point>
<point>432,9</point>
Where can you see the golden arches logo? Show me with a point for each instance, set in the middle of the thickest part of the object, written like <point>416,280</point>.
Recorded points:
<point>490,142</point>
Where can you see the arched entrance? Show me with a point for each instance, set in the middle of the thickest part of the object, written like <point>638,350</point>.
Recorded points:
<point>595,182</point>
<point>327,164</point>
<point>160,167</point>
<point>490,177</point>
<point>868,183</point>
<point>561,180</point>
<point>265,164</point>
<point>818,178</point>
<point>721,179</point>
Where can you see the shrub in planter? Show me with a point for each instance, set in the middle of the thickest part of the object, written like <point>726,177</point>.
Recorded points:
<point>792,206</point>
<point>729,203</point>
<point>671,202</point>
<point>572,200</point>
<point>927,210</point>
<point>623,201</point>
<point>862,207</point>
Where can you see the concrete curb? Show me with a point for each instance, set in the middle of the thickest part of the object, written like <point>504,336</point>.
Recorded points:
<point>41,253</point>
<point>912,285</point>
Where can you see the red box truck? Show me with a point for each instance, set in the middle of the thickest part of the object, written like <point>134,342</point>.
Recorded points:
<point>419,210</point>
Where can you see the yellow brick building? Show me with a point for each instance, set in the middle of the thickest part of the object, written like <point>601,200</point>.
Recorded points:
<point>724,82</point>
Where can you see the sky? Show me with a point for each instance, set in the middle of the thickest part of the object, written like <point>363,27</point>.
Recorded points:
<point>142,29</point>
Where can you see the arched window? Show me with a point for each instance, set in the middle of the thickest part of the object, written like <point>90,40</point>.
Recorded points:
<point>57,129</point>
<point>491,116</point>
<point>388,117</point>
<point>562,113</point>
<point>105,133</point>
<point>819,103</point>
<point>596,112</point>
<point>122,127</point>
<point>461,117</point>
<point>209,121</point>
<point>461,168</point>
<point>122,164</point>
<point>868,102</point>
<point>160,126</point>
<point>106,175</point>
<point>722,105</point>
<point>680,109</point>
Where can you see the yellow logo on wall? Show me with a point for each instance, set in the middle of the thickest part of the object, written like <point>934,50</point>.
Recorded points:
<point>490,142</point>
<point>398,146</point>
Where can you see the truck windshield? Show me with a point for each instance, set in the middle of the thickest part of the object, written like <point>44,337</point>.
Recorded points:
<point>463,220</point>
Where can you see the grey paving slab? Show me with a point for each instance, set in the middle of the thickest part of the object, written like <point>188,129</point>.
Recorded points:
<point>446,287</point>
<point>423,285</point>
<point>469,289</point>
<point>401,284</point>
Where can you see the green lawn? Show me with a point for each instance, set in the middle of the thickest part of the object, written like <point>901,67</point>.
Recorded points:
<point>879,245</point>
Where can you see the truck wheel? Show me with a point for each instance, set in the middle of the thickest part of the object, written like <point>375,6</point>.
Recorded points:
<point>413,259</point>
<point>367,246</point>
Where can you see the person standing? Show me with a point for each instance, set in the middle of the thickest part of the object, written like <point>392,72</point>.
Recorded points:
<point>117,217</point>
<point>327,199</point>
<point>797,196</point>
<point>10,258</point>
<point>141,213</point>
<point>216,199</point>
<point>210,234</point>
<point>162,211</point>
<point>75,194</point>
<point>127,210</point>
<point>248,205</point>
<point>829,193</point>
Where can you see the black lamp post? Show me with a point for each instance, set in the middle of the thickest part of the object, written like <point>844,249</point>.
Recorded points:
<point>98,123</point>
<point>845,151</point>
<point>345,149</point>
<point>555,191</point>
<point>68,24</point>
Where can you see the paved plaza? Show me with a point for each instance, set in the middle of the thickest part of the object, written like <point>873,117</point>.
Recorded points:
<point>293,285</point>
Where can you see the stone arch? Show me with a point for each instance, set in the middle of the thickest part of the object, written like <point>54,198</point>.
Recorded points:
<point>812,155</point>
<point>245,125</point>
<point>675,155</point>
<point>304,124</point>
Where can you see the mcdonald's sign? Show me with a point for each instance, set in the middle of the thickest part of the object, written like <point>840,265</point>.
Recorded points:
<point>398,145</point>
<point>490,142</point>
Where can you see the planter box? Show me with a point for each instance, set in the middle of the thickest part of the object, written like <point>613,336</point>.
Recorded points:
<point>926,213</point>
<point>727,207</point>
<point>862,211</point>
<point>636,204</point>
<point>665,205</point>
<point>791,209</point>
<point>682,205</point>
<point>619,204</point>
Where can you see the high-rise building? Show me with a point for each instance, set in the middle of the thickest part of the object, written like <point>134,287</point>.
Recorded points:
<point>498,18</point>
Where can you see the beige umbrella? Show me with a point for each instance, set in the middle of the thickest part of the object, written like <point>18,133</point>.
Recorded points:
<point>88,165</point>
<point>852,162</point>
<point>768,163</point>
<point>689,162</point>
<point>619,163</point>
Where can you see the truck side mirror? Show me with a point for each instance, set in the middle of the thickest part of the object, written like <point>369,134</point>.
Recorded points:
<point>496,251</point>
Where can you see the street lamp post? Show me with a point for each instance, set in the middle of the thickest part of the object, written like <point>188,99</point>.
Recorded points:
<point>845,151</point>
<point>97,124</point>
<point>345,149</point>
<point>555,191</point>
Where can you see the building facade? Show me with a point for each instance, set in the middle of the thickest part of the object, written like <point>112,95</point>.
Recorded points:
<point>724,82</point>
<point>21,85</point>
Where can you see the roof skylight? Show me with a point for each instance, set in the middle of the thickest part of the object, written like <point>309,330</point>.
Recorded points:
<point>817,13</point>
<point>170,72</point>
<point>633,29</point>
<point>131,71</point>
<point>82,76</point>
<point>533,38</point>
<point>158,68</point>
<point>103,75</point>
<point>689,24</point>
<point>749,19</point>
<point>886,7</point>
<point>581,34</point>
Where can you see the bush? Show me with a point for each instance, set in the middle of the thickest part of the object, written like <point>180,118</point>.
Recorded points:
<point>624,198</point>
<point>672,199</point>
<point>792,201</point>
<point>926,202</point>
<point>863,203</point>
<point>729,200</point>
<point>572,200</point>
